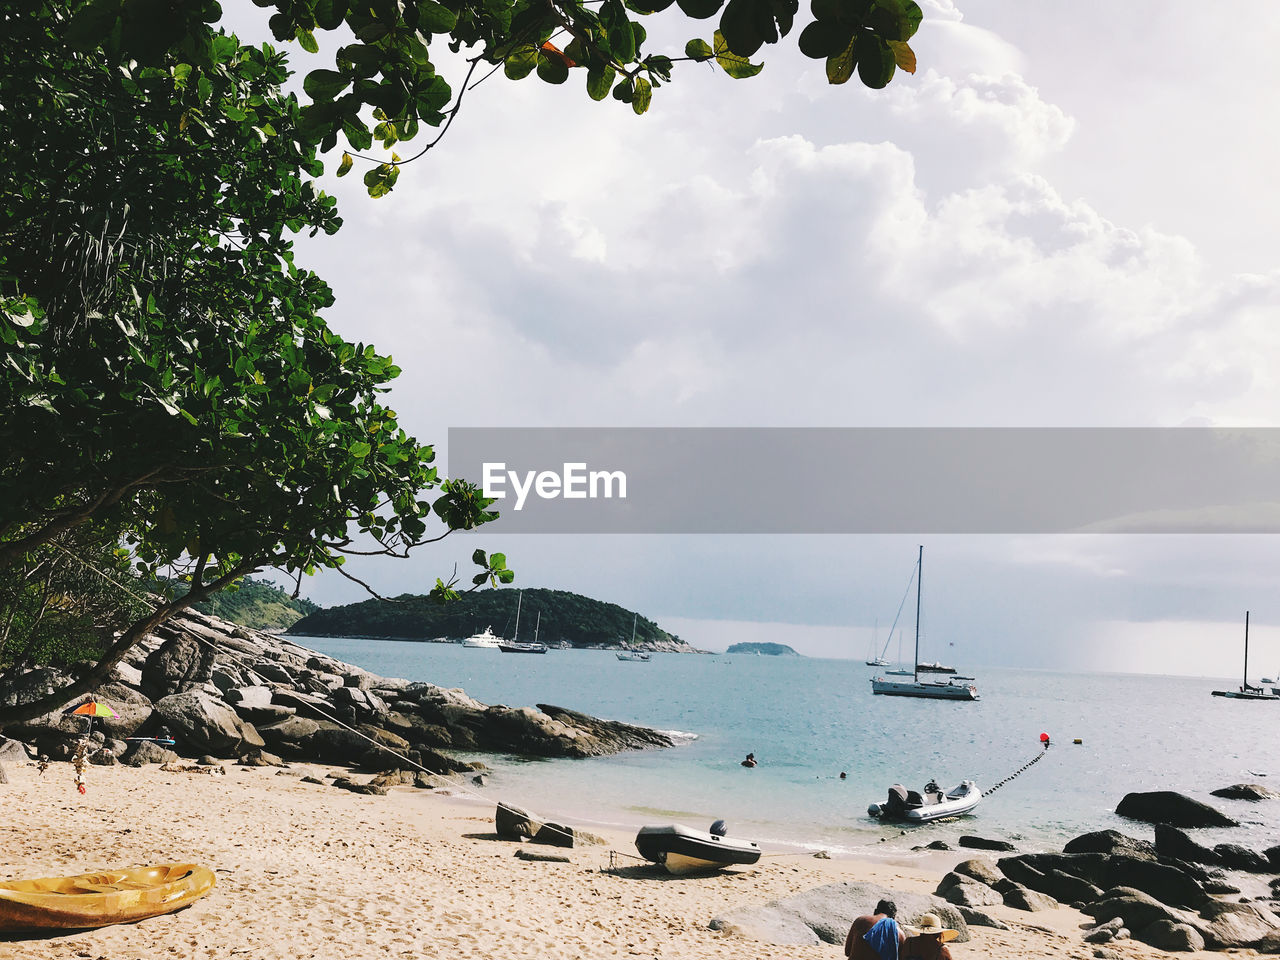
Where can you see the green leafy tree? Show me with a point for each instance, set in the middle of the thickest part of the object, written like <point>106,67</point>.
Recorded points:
<point>166,374</point>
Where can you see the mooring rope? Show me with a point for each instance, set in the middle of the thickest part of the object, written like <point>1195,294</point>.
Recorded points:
<point>1022,769</point>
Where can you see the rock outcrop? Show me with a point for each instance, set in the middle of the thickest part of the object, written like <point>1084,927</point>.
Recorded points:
<point>1132,887</point>
<point>221,690</point>
<point>1173,809</point>
<point>1246,791</point>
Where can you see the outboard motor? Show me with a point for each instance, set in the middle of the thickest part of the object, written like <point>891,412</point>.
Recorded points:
<point>894,805</point>
<point>719,828</point>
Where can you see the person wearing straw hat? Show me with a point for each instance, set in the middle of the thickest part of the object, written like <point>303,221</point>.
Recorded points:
<point>928,940</point>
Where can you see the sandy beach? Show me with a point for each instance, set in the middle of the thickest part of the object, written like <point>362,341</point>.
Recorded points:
<point>307,870</point>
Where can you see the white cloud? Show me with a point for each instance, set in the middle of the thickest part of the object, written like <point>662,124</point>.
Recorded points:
<point>974,245</point>
<point>1002,115</point>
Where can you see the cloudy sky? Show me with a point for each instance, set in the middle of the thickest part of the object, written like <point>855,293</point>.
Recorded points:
<point>1065,218</point>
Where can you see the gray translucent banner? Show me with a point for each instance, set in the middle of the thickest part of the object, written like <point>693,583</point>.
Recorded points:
<point>875,480</point>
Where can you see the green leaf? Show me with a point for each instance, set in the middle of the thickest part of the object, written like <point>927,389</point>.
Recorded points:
<point>521,62</point>
<point>435,17</point>
<point>599,80</point>
<point>359,449</point>
<point>875,60</point>
<point>840,67</point>
<point>479,559</point>
<point>698,50</point>
<point>325,84</point>
<point>624,91</point>
<point>497,561</point>
<point>824,38</point>
<point>552,69</point>
<point>645,7</point>
<point>642,97</point>
<point>307,40</point>
<point>506,576</point>
<point>91,23</point>
<point>700,9</point>
<point>741,28</point>
<point>895,19</point>
<point>732,64</point>
<point>345,166</point>
<point>329,13</point>
<point>622,41</point>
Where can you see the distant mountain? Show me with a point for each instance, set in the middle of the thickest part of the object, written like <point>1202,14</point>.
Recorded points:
<point>257,604</point>
<point>569,617</point>
<point>764,649</point>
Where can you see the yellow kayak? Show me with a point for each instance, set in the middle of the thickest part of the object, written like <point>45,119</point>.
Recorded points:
<point>98,899</point>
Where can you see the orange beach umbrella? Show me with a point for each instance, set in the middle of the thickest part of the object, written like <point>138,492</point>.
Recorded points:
<point>91,708</point>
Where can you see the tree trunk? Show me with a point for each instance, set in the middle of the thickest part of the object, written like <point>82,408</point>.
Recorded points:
<point>115,653</point>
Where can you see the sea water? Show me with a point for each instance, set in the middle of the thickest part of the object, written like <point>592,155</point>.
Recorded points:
<point>807,720</point>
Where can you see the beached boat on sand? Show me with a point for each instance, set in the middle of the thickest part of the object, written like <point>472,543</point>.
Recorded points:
<point>682,850</point>
<point>99,899</point>
<point>928,804</point>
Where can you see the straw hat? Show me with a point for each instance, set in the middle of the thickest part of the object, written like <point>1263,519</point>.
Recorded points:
<point>930,925</point>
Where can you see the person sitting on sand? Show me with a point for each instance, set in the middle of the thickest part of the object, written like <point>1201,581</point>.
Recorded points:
<point>929,940</point>
<point>875,936</point>
<point>750,761</point>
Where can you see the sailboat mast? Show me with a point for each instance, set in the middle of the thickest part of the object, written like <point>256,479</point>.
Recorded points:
<point>519,600</point>
<point>634,618</point>
<point>919,586</point>
<point>1246,652</point>
<point>536,625</point>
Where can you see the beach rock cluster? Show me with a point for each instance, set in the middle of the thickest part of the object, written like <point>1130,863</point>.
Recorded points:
<point>1166,893</point>
<point>227,692</point>
<point>824,914</point>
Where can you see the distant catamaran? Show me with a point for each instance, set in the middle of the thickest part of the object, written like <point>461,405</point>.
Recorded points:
<point>954,689</point>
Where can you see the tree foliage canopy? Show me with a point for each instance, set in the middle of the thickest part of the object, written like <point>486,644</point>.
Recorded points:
<point>383,84</point>
<point>166,373</point>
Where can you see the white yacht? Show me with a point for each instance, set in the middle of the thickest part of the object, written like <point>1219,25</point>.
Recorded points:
<point>483,641</point>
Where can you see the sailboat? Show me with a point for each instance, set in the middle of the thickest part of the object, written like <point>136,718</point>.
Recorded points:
<point>514,645</point>
<point>629,652</point>
<point>898,671</point>
<point>874,660</point>
<point>1247,691</point>
<point>955,689</point>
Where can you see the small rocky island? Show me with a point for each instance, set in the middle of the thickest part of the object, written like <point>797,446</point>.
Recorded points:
<point>223,692</point>
<point>763,649</point>
<point>562,619</point>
